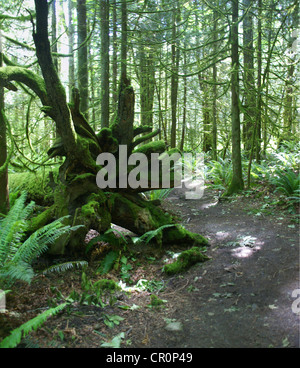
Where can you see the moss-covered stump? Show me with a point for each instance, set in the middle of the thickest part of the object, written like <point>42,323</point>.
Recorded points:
<point>185,260</point>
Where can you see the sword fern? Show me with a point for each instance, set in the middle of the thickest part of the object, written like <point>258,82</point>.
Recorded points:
<point>17,252</point>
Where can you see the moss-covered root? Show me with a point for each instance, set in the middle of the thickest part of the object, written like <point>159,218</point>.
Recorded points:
<point>185,260</point>
<point>41,220</point>
<point>178,235</point>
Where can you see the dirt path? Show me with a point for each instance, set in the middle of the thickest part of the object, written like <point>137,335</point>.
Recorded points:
<point>243,296</point>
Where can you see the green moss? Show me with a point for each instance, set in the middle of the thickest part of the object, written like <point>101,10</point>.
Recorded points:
<point>185,260</point>
<point>82,177</point>
<point>155,301</point>
<point>105,284</point>
<point>94,202</point>
<point>41,220</point>
<point>85,147</point>
<point>95,214</point>
<point>152,147</point>
<point>35,184</point>
<point>179,234</point>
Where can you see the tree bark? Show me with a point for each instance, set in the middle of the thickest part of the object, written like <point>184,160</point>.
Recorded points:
<point>83,78</point>
<point>174,76</point>
<point>237,182</point>
<point>71,50</point>
<point>249,85</point>
<point>104,14</point>
<point>4,197</point>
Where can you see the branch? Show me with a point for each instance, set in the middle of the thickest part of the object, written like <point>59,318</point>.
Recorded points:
<point>25,76</point>
<point>144,138</point>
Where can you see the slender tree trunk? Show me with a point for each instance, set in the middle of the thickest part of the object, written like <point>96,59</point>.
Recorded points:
<point>257,128</point>
<point>184,106</point>
<point>115,58</point>
<point>82,72</point>
<point>237,182</point>
<point>71,50</point>
<point>4,198</point>
<point>249,86</point>
<point>207,131</point>
<point>124,40</point>
<point>147,84</point>
<point>215,90</point>
<point>104,15</point>
<point>174,77</point>
<point>290,110</point>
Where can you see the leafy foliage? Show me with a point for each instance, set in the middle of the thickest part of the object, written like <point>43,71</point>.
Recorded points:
<point>149,235</point>
<point>287,182</point>
<point>16,336</point>
<point>220,173</point>
<point>17,252</point>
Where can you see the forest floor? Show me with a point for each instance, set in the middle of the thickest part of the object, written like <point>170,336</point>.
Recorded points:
<point>241,297</point>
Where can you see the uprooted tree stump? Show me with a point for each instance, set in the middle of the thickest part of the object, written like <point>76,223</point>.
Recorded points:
<point>77,195</point>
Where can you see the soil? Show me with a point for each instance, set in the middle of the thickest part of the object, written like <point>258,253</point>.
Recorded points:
<point>241,297</point>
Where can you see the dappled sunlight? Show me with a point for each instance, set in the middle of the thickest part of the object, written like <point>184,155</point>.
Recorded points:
<point>221,235</point>
<point>248,246</point>
<point>207,205</point>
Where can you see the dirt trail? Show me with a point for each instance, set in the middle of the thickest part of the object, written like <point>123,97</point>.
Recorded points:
<point>243,296</point>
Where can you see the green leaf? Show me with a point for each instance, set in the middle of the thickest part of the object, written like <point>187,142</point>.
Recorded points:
<point>115,342</point>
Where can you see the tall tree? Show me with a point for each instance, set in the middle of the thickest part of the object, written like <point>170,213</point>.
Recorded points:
<point>147,84</point>
<point>104,15</point>
<point>71,49</point>
<point>174,77</point>
<point>82,69</point>
<point>4,198</point>
<point>237,182</point>
<point>249,85</point>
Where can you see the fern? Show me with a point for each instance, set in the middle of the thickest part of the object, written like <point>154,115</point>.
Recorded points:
<point>108,262</point>
<point>16,252</point>
<point>149,235</point>
<point>19,333</point>
<point>62,267</point>
<point>287,182</point>
<point>220,174</point>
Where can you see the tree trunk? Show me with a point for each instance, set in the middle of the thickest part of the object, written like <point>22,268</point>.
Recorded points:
<point>104,15</point>
<point>147,84</point>
<point>237,182</point>
<point>71,50</point>
<point>4,198</point>
<point>174,76</point>
<point>249,86</point>
<point>214,107</point>
<point>83,79</point>
<point>115,57</point>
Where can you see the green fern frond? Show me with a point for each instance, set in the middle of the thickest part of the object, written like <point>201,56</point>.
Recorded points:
<point>149,235</point>
<point>18,253</point>
<point>62,267</point>
<point>13,227</point>
<point>19,333</point>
